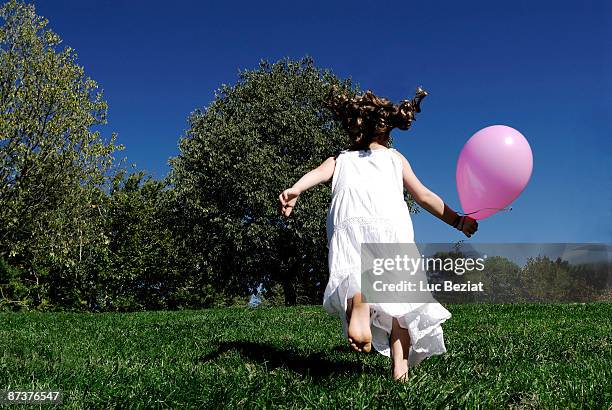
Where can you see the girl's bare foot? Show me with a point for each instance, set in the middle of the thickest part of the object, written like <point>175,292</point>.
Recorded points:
<point>358,316</point>
<point>400,370</point>
<point>400,347</point>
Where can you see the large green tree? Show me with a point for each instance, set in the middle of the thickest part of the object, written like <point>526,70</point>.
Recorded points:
<point>53,163</point>
<point>255,138</point>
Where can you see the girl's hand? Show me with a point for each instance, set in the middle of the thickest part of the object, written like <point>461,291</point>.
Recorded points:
<point>468,225</point>
<point>287,200</point>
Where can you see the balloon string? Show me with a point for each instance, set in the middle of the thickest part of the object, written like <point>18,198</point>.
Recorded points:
<point>482,209</point>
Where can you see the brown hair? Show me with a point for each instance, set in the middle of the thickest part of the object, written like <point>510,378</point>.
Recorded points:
<point>368,118</point>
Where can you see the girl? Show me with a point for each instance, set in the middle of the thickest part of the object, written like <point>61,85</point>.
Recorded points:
<point>368,205</point>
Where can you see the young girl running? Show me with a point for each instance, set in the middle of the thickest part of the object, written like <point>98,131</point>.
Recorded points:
<point>368,205</point>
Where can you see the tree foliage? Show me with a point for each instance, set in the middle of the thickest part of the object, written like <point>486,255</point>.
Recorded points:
<point>53,165</point>
<point>256,138</point>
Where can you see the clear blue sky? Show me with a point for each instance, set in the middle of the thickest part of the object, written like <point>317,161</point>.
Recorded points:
<point>542,67</point>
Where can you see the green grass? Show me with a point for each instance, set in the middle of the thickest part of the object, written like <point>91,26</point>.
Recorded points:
<point>519,356</point>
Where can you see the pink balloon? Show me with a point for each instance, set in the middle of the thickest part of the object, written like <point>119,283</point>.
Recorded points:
<point>493,168</point>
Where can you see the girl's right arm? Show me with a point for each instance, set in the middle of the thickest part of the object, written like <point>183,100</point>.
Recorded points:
<point>320,174</point>
<point>433,203</point>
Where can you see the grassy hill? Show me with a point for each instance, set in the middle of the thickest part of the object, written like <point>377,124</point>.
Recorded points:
<point>523,356</point>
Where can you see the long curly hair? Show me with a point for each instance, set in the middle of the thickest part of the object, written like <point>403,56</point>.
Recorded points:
<point>368,118</point>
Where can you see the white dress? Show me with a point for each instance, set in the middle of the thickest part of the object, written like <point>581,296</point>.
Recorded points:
<point>368,205</point>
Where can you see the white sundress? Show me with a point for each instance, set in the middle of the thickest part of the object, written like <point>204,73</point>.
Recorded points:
<point>368,205</point>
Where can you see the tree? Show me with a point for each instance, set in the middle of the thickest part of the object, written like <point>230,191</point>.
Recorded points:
<point>256,138</point>
<point>547,280</point>
<point>501,280</point>
<point>53,165</point>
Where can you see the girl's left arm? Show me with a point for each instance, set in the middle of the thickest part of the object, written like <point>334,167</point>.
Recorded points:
<point>320,174</point>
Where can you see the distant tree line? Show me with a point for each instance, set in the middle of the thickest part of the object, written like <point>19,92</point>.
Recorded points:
<point>541,279</point>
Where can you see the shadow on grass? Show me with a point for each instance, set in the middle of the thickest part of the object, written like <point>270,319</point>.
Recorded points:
<point>314,365</point>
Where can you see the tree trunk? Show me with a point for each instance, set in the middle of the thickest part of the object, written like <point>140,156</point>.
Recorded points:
<point>289,291</point>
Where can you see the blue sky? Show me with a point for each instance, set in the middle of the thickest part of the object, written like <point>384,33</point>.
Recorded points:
<point>540,67</point>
